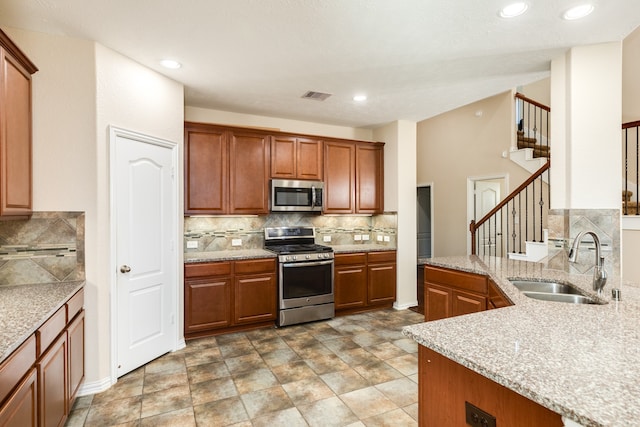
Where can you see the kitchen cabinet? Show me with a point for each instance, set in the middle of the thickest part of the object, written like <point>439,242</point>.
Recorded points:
<point>15,130</point>
<point>453,293</point>
<point>226,296</point>
<point>445,386</point>
<point>226,170</point>
<point>40,379</point>
<point>364,281</point>
<point>354,177</point>
<point>295,157</point>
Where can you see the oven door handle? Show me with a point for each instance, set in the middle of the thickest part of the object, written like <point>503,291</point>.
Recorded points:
<point>306,264</point>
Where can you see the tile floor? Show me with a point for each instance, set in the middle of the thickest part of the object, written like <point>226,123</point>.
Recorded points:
<point>356,370</point>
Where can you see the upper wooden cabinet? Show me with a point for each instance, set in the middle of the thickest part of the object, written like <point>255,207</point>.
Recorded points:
<point>296,158</point>
<point>15,129</point>
<point>226,170</point>
<point>354,177</point>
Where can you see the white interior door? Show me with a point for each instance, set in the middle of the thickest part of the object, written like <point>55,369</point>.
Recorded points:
<point>144,195</point>
<point>487,196</point>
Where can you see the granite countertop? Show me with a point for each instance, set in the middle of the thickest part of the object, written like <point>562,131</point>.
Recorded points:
<point>370,247</point>
<point>232,255</point>
<point>24,308</point>
<point>581,361</point>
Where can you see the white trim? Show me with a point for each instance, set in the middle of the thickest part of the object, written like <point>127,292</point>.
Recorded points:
<point>178,341</point>
<point>470,190</point>
<point>630,222</point>
<point>431,185</point>
<point>405,306</point>
<point>93,387</point>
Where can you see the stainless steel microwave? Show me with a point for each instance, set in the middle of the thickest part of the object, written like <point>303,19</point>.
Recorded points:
<point>288,195</point>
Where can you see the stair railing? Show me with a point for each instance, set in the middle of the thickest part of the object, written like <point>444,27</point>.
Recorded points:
<point>521,215</point>
<point>631,145</point>
<point>533,125</point>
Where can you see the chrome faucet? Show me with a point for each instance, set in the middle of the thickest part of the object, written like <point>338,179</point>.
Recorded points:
<point>599,273</point>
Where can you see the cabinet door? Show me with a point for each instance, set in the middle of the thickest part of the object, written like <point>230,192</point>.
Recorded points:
<point>15,137</point>
<point>437,302</point>
<point>75,335</point>
<point>21,409</point>
<point>339,177</point>
<point>350,286</point>
<point>309,159</point>
<point>283,157</point>
<point>53,385</point>
<point>249,173</point>
<point>255,298</point>
<point>369,178</point>
<point>465,303</point>
<point>207,304</point>
<point>206,176</point>
<point>382,283</point>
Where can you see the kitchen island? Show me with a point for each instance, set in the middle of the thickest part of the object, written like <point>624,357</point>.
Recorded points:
<point>579,361</point>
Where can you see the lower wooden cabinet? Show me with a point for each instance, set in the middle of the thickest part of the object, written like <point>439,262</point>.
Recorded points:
<point>444,386</point>
<point>450,293</point>
<point>364,281</point>
<point>39,381</point>
<point>228,295</point>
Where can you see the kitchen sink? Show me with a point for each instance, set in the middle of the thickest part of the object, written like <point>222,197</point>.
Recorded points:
<point>553,291</point>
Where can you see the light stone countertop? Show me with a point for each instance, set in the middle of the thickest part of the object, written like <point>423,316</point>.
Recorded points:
<point>232,255</point>
<point>581,361</point>
<point>24,308</point>
<point>370,247</point>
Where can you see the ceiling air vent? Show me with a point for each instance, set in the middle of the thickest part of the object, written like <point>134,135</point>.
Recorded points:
<point>318,96</point>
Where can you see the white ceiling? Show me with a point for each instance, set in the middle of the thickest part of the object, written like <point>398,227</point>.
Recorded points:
<point>413,58</point>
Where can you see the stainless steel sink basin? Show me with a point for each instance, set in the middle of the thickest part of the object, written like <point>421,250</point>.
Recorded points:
<point>553,291</point>
<point>546,287</point>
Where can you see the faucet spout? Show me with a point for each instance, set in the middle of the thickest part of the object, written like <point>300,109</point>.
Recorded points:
<point>599,273</point>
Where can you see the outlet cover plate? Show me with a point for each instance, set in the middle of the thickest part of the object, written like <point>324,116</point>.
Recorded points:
<point>192,244</point>
<point>236,242</point>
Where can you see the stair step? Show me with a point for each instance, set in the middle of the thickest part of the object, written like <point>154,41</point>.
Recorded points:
<point>526,139</point>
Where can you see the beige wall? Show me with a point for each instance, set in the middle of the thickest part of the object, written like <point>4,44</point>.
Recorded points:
<point>466,142</point>
<point>630,77</point>
<point>82,88</point>
<point>203,115</point>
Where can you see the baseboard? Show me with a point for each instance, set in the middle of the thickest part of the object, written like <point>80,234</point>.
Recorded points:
<point>405,306</point>
<point>94,387</point>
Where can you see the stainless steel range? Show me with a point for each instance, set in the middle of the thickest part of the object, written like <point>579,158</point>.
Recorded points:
<point>305,275</point>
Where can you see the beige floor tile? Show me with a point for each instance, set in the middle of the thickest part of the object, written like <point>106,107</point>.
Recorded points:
<point>367,339</point>
<point>326,363</point>
<point>280,357</point>
<point>340,344</point>
<point>307,390</point>
<point>212,390</point>
<point>367,402</point>
<point>262,402</point>
<point>288,417</point>
<point>235,338</point>
<point>407,364</point>
<point>386,350</point>
<point>378,373</point>
<point>396,418</point>
<point>269,345</point>
<point>407,344</point>
<point>164,380</point>
<point>412,410</point>
<point>357,356</point>
<point>236,349</point>
<point>77,417</point>
<point>169,362</point>
<point>120,390</point>
<point>209,371</point>
<point>179,418</point>
<point>262,333</point>
<point>413,378</point>
<point>402,391</point>
<point>344,381</point>
<point>221,413</point>
<point>114,412</point>
<point>313,350</point>
<point>246,362</point>
<point>293,371</point>
<point>327,412</point>
<point>167,400</point>
<point>258,379</point>
<point>203,356</point>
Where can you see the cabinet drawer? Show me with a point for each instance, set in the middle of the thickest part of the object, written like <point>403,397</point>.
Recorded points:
<point>75,304</point>
<point>207,269</point>
<point>458,279</point>
<point>377,257</point>
<point>350,259</point>
<point>256,266</point>
<point>16,365</point>
<point>48,332</point>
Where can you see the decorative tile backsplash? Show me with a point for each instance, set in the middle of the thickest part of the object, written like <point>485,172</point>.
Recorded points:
<point>565,224</point>
<point>48,247</point>
<point>217,233</point>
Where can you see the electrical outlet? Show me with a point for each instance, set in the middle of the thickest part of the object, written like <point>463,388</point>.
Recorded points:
<point>476,417</point>
<point>192,244</point>
<point>236,242</point>
<point>326,238</point>
<point>365,237</point>
<point>387,238</point>
<point>379,237</point>
<point>357,237</point>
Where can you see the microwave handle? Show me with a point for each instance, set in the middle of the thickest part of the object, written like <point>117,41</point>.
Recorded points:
<point>313,196</point>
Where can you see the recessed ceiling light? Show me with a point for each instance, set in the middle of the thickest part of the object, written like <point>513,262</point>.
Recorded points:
<point>170,63</point>
<point>578,12</point>
<point>513,10</point>
<point>360,98</point>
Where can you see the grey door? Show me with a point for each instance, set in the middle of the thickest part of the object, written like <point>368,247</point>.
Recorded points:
<point>424,222</point>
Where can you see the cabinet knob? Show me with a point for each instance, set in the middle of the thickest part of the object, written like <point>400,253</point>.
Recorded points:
<point>125,269</point>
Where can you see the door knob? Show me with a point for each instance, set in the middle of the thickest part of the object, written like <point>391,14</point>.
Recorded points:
<point>125,269</point>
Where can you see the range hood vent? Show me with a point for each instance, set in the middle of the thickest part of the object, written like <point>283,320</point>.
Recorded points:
<point>318,96</point>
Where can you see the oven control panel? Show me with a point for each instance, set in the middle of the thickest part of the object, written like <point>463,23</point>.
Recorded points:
<point>319,256</point>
